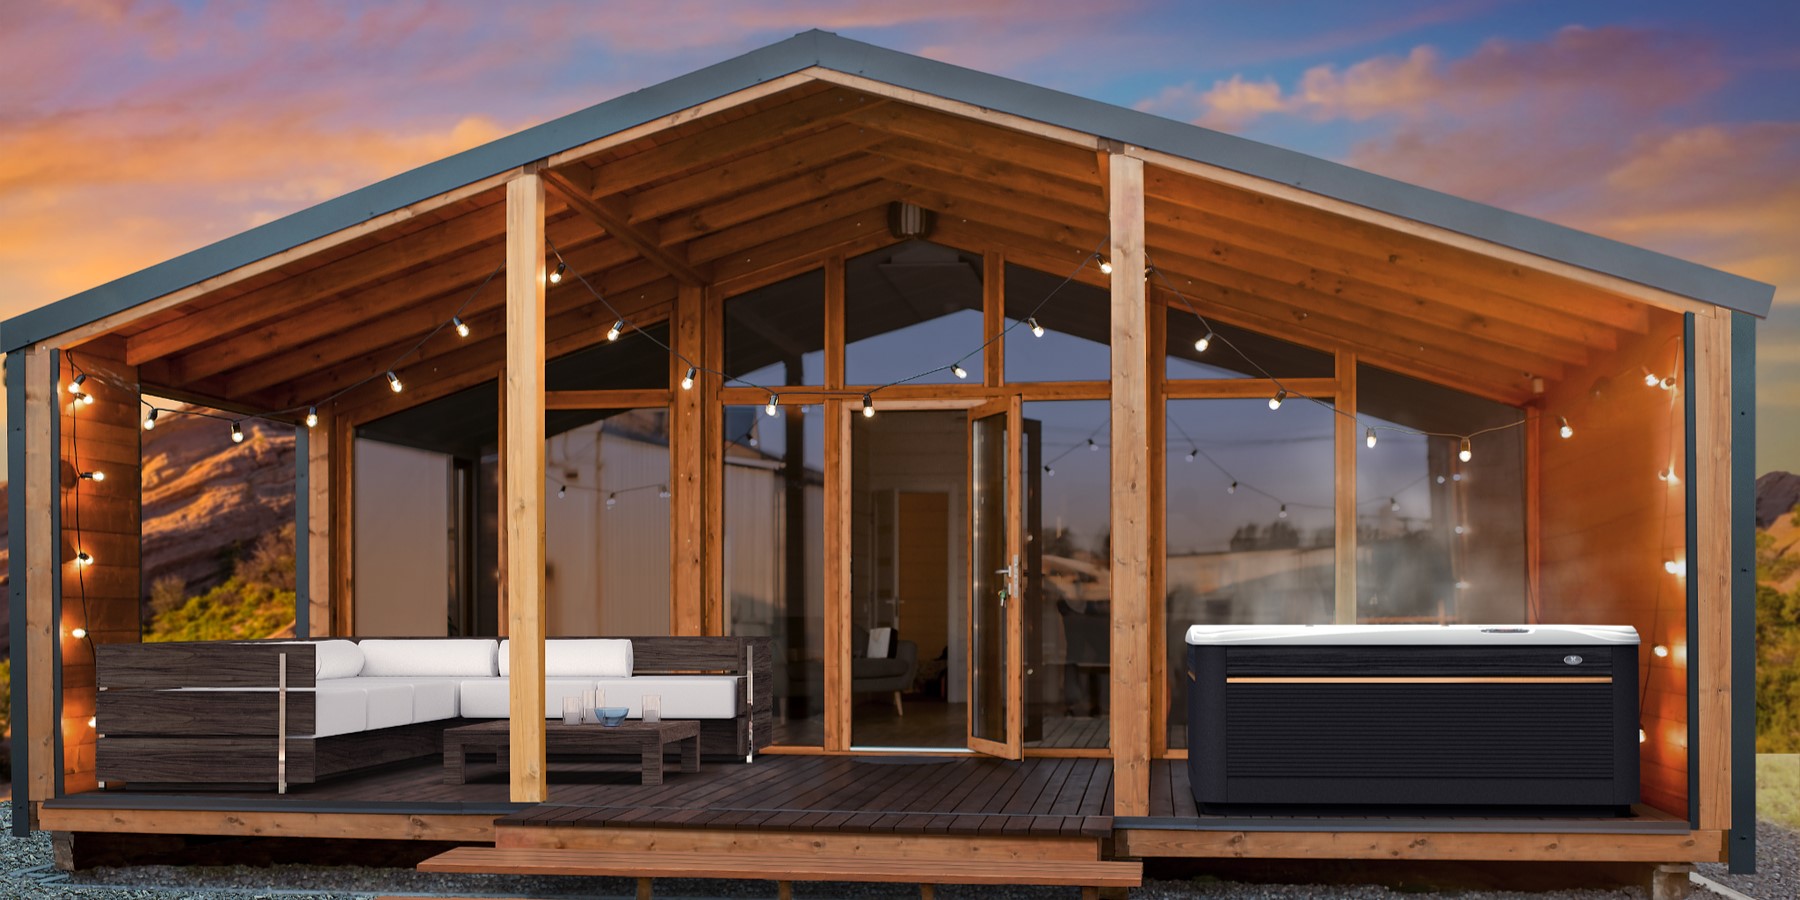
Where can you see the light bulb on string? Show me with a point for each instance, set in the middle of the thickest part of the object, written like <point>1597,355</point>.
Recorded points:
<point>1650,379</point>
<point>75,385</point>
<point>612,500</point>
<point>1275,401</point>
<point>1564,429</point>
<point>78,632</point>
<point>1106,266</point>
<point>774,401</point>
<point>957,370</point>
<point>1191,453</point>
<point>462,328</point>
<point>618,328</point>
<point>663,492</point>
<point>1204,342</point>
<point>1049,472</point>
<point>1668,383</point>
<point>1282,513</point>
<point>1369,438</point>
<point>1676,567</point>
<point>312,417</point>
<point>1465,454</point>
<point>1093,446</point>
<point>1668,475</point>
<point>868,407</point>
<point>393,381</point>
<point>150,420</point>
<point>687,381</point>
<point>237,433</point>
<point>83,559</point>
<point>562,490</point>
<point>1036,329</point>
<point>94,476</point>
<point>556,275</point>
<point>1660,650</point>
<point>1232,489</point>
<point>1393,504</point>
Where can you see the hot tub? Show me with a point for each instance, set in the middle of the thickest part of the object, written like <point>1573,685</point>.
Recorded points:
<point>1476,716</point>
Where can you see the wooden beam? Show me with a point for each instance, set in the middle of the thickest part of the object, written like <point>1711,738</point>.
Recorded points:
<point>455,827</point>
<point>821,185</point>
<point>1130,496</point>
<point>1710,643</point>
<point>318,525</point>
<point>675,120</point>
<point>957,134</point>
<point>610,215</point>
<point>837,573</point>
<point>43,568</point>
<point>606,399</point>
<point>834,324</point>
<point>716,620</point>
<point>732,241</point>
<point>524,518</point>
<point>1156,436</point>
<point>687,474</point>
<point>856,233</point>
<point>785,162</point>
<point>1697,846</point>
<point>1345,439</point>
<point>342,530</point>
<point>993,309</point>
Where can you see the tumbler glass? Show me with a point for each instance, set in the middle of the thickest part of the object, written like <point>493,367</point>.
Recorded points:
<point>652,709</point>
<point>571,710</point>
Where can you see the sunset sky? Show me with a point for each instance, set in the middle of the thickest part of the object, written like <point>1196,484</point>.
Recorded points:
<point>131,132</point>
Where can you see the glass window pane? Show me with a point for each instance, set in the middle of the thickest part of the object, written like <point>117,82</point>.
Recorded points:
<point>775,335</point>
<point>912,308</point>
<point>1251,522</point>
<point>1233,352</point>
<point>774,544</point>
<point>1076,320</point>
<point>606,518</point>
<point>1068,574</point>
<point>1439,539</point>
<point>638,359</point>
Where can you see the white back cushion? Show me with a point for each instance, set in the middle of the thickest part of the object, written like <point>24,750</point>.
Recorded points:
<point>470,657</point>
<point>336,659</point>
<point>579,657</point>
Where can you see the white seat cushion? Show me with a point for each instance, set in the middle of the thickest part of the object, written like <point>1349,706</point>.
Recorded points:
<point>336,659</point>
<point>339,707</point>
<point>683,696</point>
<point>433,698</point>
<point>448,658</point>
<point>578,658</point>
<point>489,698</point>
<point>390,704</point>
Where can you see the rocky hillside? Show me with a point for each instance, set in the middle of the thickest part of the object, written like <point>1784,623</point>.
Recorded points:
<point>1776,494</point>
<point>204,497</point>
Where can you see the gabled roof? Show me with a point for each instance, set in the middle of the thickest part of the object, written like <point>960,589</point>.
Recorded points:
<point>829,51</point>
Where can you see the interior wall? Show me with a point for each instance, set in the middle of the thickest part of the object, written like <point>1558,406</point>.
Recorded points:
<point>402,535</point>
<point>1609,524</point>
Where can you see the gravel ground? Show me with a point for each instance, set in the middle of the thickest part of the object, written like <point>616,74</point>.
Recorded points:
<point>26,872</point>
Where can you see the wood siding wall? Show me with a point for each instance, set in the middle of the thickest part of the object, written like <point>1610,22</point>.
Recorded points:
<point>101,518</point>
<point>1609,523</point>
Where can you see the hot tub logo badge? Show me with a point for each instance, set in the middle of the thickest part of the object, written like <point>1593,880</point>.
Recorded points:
<point>1572,660</point>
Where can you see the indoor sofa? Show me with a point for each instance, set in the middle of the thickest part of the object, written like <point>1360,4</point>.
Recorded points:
<point>294,712</point>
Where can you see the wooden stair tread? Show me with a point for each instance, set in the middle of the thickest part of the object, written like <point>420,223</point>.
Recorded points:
<point>535,861</point>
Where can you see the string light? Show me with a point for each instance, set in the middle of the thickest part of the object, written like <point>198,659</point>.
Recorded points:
<point>312,417</point>
<point>556,276</point>
<point>612,500</point>
<point>957,370</point>
<point>1668,383</point>
<point>462,328</point>
<point>1563,429</point>
<point>562,490</point>
<point>1668,475</point>
<point>75,385</point>
<point>618,328</point>
<point>1642,737</point>
<point>687,381</point>
<point>1660,650</point>
<point>78,632</point>
<point>868,406</point>
<point>393,381</point>
<point>94,476</point>
<point>1036,329</point>
<point>150,420</point>
<point>1232,489</point>
<point>1191,452</point>
<point>83,559</point>
<point>237,433</point>
<point>1106,266</point>
<point>1275,401</point>
<point>1465,454</point>
<point>663,492</point>
<point>1393,504</point>
<point>1369,438</point>
<point>1650,379</point>
<point>1676,567</point>
<point>1049,472</point>
<point>1093,446</point>
<point>1282,513</point>
<point>87,399</point>
<point>1204,342</point>
<point>774,401</point>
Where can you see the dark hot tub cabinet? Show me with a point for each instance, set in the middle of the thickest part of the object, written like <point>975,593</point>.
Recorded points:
<point>1471,717</point>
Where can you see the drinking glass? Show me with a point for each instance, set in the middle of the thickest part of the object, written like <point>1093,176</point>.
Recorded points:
<point>652,709</point>
<point>571,710</point>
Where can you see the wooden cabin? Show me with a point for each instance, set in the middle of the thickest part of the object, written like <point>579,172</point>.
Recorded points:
<point>833,345</point>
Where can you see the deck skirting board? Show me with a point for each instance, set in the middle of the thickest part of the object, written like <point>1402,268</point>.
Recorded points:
<point>1303,824</point>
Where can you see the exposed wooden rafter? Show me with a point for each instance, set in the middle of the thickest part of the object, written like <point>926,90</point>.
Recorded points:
<point>575,186</point>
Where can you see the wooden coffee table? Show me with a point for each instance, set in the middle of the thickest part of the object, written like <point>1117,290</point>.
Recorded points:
<point>647,741</point>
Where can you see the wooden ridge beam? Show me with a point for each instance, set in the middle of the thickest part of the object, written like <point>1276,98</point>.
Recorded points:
<point>616,220</point>
<point>782,162</point>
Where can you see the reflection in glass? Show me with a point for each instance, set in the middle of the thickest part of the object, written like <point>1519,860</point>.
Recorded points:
<point>1233,352</point>
<point>1438,539</point>
<point>1076,323</point>
<point>606,525</point>
<point>774,539</point>
<point>988,581</point>
<point>1250,522</point>
<point>909,308</point>
<point>638,359</point>
<point>775,335</point>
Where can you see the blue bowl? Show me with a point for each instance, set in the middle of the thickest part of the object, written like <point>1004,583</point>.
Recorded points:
<point>612,716</point>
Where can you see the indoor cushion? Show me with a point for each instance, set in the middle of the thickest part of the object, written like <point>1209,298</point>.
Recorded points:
<point>683,696</point>
<point>390,704</point>
<point>339,707</point>
<point>489,698</point>
<point>465,657</point>
<point>579,657</point>
<point>879,668</point>
<point>336,659</point>
<point>433,698</point>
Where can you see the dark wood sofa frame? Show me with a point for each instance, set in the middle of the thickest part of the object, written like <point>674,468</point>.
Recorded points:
<point>256,731</point>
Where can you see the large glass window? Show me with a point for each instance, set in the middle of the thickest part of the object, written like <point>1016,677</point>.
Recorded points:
<point>775,335</point>
<point>910,308</point>
<point>1250,522</point>
<point>1076,321</point>
<point>1439,539</point>
<point>606,525</point>
<point>1213,349</point>
<point>638,359</point>
<point>774,546</point>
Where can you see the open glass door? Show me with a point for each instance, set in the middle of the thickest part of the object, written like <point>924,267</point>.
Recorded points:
<point>995,622</point>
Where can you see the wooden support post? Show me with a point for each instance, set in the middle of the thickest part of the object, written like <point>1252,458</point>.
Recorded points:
<point>524,479</point>
<point>993,308</point>
<point>1130,499</point>
<point>342,506</point>
<point>837,575</point>
<point>834,322</point>
<point>686,465</point>
<point>318,526</point>
<point>1709,645</point>
<point>42,569</point>
<point>500,580</point>
<point>712,431</point>
<point>1345,440</point>
<point>1156,350</point>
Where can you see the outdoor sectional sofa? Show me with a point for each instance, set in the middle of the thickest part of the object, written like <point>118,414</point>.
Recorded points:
<point>274,713</point>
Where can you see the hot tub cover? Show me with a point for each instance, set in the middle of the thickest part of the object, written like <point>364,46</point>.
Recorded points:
<point>1481,635</point>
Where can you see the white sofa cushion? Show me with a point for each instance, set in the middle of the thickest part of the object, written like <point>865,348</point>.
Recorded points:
<point>578,658</point>
<point>452,657</point>
<point>390,703</point>
<point>336,659</point>
<point>489,698</point>
<point>683,696</point>
<point>433,698</point>
<point>339,707</point>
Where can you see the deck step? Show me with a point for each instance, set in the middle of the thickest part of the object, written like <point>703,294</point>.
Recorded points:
<point>533,861</point>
